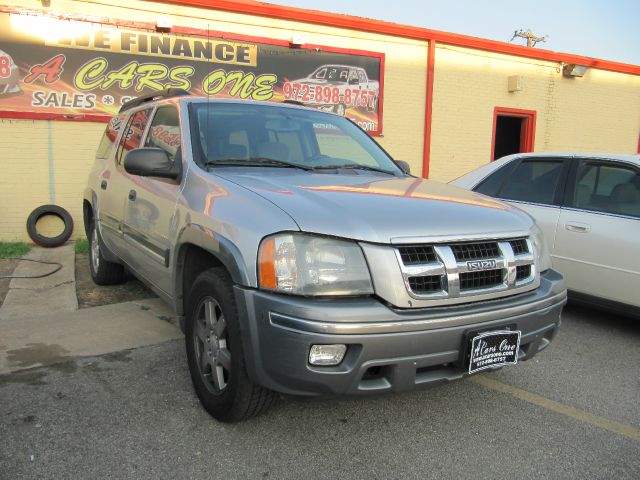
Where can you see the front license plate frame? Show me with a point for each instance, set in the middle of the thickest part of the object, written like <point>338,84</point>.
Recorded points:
<point>493,349</point>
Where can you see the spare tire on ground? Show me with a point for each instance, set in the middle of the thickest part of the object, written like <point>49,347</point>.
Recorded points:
<point>49,242</point>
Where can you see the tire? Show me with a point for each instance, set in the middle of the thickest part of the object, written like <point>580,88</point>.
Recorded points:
<point>215,352</point>
<point>103,272</point>
<point>49,242</point>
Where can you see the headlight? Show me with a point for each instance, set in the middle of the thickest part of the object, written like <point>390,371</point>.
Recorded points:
<point>540,246</point>
<point>310,265</point>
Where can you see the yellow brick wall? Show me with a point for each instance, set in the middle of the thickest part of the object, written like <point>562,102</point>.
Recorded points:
<point>74,144</point>
<point>27,149</point>
<point>599,112</point>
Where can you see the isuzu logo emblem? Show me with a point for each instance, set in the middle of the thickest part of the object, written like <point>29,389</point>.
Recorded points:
<point>476,265</point>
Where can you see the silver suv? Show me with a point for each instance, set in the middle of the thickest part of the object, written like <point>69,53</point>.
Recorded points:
<point>301,258</point>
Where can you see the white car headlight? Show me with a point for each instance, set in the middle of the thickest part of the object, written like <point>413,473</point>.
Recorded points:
<point>540,247</point>
<point>304,264</point>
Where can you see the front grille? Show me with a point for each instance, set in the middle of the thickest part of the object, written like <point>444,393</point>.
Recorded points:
<point>483,279</point>
<point>523,271</point>
<point>466,269</point>
<point>426,284</point>
<point>519,246</point>
<point>417,254</point>
<point>475,251</point>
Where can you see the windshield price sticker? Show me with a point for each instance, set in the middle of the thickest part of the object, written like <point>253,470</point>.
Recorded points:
<point>494,349</point>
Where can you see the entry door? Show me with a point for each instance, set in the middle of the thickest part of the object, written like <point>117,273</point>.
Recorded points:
<point>597,242</point>
<point>112,190</point>
<point>513,132</point>
<point>150,210</point>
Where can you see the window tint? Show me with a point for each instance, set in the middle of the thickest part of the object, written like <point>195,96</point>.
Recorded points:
<point>253,132</point>
<point>491,184</point>
<point>335,143</point>
<point>110,135</point>
<point>164,131</point>
<point>133,134</point>
<point>607,188</point>
<point>533,181</point>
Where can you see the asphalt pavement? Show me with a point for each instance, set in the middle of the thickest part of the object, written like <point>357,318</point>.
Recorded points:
<point>573,412</point>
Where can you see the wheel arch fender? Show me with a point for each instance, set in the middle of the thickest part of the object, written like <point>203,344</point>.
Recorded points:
<point>89,203</point>
<point>222,251</point>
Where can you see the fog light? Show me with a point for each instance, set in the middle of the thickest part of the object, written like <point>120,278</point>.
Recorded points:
<point>326,354</point>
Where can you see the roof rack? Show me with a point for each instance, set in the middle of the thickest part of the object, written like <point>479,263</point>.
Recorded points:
<point>166,93</point>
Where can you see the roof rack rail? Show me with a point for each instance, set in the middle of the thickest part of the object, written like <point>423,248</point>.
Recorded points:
<point>166,93</point>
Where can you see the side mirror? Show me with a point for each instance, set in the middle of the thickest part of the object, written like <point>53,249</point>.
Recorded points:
<point>152,162</point>
<point>404,166</point>
<point>353,81</point>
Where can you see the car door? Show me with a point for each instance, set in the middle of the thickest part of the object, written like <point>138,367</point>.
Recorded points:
<point>598,238</point>
<point>535,185</point>
<point>111,194</point>
<point>150,210</point>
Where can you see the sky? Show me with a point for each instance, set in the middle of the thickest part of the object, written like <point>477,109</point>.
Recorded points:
<point>603,29</point>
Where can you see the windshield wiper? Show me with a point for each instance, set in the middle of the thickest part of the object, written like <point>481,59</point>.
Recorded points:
<point>353,167</point>
<point>255,162</point>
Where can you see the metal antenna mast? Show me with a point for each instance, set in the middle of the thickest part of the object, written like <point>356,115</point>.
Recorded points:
<point>531,38</point>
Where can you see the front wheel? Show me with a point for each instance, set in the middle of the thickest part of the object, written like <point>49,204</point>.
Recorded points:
<point>215,353</point>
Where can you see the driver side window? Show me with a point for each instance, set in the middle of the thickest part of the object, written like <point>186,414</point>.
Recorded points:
<point>164,132</point>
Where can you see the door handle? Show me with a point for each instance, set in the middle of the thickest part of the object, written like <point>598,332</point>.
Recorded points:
<point>132,195</point>
<point>578,227</point>
<point>103,185</point>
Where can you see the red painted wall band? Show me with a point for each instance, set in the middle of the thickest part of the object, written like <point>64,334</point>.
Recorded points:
<point>428,110</point>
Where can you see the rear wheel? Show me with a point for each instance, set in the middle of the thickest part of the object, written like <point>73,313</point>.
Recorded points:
<point>215,352</point>
<point>103,272</point>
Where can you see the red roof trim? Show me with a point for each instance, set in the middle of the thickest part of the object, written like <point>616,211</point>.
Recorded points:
<point>395,29</point>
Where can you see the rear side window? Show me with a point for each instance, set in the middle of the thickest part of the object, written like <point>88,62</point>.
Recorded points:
<point>110,136</point>
<point>534,181</point>
<point>132,137</point>
<point>164,131</point>
<point>608,188</point>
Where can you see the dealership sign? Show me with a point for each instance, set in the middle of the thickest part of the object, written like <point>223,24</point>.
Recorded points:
<point>74,68</point>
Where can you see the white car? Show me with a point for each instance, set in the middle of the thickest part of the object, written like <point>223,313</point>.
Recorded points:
<point>588,206</point>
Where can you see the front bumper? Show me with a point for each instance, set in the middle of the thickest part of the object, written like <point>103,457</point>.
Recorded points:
<point>388,349</point>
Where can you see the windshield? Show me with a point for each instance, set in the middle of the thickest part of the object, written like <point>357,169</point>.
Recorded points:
<point>329,72</point>
<point>264,135</point>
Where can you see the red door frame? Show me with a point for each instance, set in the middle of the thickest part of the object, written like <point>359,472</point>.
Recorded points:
<point>528,132</point>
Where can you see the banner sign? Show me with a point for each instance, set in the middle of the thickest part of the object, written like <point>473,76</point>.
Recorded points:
<point>54,66</point>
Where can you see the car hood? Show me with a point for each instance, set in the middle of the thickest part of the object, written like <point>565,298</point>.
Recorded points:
<point>377,208</point>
